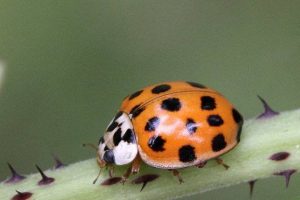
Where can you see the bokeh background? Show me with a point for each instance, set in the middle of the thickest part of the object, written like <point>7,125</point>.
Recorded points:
<point>70,63</point>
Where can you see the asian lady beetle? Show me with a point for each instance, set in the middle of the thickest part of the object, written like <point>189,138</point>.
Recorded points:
<point>170,125</point>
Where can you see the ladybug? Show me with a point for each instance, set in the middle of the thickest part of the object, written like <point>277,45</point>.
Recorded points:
<point>170,125</point>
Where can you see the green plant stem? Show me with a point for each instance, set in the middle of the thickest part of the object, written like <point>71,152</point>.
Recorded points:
<point>248,161</point>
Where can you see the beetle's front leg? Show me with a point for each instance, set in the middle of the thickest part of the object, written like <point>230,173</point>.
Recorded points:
<point>134,168</point>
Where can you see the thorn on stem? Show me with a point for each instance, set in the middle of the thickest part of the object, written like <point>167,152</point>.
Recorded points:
<point>144,179</point>
<point>268,112</point>
<point>15,176</point>
<point>45,179</point>
<point>286,174</point>
<point>21,195</point>
<point>58,163</point>
<point>251,185</point>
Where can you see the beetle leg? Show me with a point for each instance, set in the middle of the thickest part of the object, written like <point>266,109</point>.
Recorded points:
<point>136,165</point>
<point>111,171</point>
<point>133,169</point>
<point>126,175</point>
<point>177,174</point>
<point>221,162</point>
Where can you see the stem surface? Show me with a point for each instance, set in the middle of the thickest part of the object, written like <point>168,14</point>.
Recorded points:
<point>250,160</point>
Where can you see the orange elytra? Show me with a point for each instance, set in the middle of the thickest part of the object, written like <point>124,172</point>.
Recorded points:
<point>170,125</point>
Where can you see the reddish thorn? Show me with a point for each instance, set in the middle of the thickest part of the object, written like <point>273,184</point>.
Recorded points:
<point>287,175</point>
<point>279,156</point>
<point>268,112</point>
<point>111,181</point>
<point>251,184</point>
<point>45,179</point>
<point>21,195</point>
<point>144,179</point>
<point>58,163</point>
<point>15,176</point>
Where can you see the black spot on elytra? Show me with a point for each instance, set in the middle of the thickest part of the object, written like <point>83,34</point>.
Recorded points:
<point>161,88</point>
<point>134,108</point>
<point>171,104</point>
<point>215,120</point>
<point>239,120</point>
<point>152,124</point>
<point>218,142</point>
<point>187,153</point>
<point>237,116</point>
<point>117,136</point>
<point>109,157</point>
<point>197,85</point>
<point>191,126</point>
<point>156,143</point>
<point>208,103</point>
<point>137,110</point>
<point>112,126</point>
<point>129,136</point>
<point>238,136</point>
<point>136,94</point>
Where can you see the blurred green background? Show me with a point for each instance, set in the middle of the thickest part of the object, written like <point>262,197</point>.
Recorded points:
<point>70,63</point>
